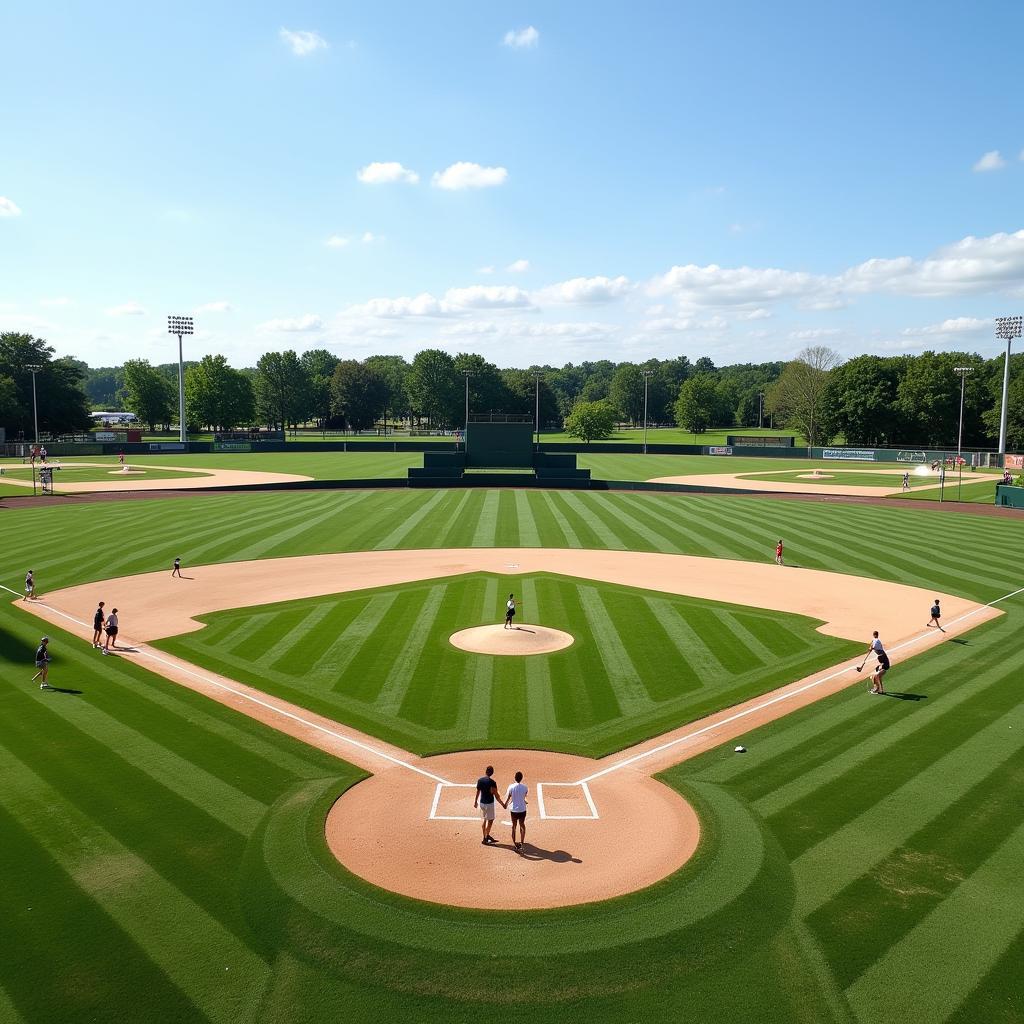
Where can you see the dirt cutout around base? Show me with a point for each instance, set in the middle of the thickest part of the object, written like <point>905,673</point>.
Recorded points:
<point>204,478</point>
<point>595,829</point>
<point>747,482</point>
<point>523,639</point>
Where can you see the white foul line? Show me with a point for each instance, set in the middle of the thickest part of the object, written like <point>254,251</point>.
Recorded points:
<point>263,704</point>
<point>775,700</point>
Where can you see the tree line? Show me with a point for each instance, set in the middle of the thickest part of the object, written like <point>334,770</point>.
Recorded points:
<point>868,401</point>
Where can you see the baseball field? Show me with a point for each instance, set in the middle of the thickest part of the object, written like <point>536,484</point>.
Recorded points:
<point>261,809</point>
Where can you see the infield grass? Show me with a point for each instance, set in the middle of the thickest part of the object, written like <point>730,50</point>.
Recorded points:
<point>642,662</point>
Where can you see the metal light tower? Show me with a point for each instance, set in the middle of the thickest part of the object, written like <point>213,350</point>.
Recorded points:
<point>467,374</point>
<point>34,368</point>
<point>180,325</point>
<point>964,372</point>
<point>1008,327</point>
<point>648,374</point>
<point>536,406</point>
<point>760,410</point>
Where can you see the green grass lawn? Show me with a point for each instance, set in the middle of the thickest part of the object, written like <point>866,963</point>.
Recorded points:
<point>380,660</point>
<point>889,480</point>
<point>163,856</point>
<point>70,471</point>
<point>981,491</point>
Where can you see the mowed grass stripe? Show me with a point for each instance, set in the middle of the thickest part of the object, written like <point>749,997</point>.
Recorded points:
<point>836,861</point>
<point>931,971</point>
<point>696,662</point>
<point>8,1014</point>
<point>676,524</point>
<point>587,524</point>
<point>44,916</point>
<point>407,661</point>
<point>482,673</point>
<point>630,692</point>
<point>569,537</point>
<point>327,667</point>
<point>329,506</point>
<point>526,522</point>
<point>409,522</point>
<point>293,639</point>
<point>460,525</point>
<point>486,532</point>
<point>228,805</point>
<point>188,945</point>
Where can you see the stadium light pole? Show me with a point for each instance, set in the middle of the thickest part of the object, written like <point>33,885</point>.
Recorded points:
<point>760,410</point>
<point>1007,327</point>
<point>963,372</point>
<point>180,325</point>
<point>648,374</point>
<point>34,368</point>
<point>467,374</point>
<point>536,407</point>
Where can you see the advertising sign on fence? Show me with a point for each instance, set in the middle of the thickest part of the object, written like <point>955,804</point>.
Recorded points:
<point>907,456</point>
<point>1013,461</point>
<point>166,446</point>
<point>849,454</point>
<point>720,450</point>
<point>232,446</point>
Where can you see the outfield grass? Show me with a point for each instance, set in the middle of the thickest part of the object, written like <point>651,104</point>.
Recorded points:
<point>163,856</point>
<point>69,471</point>
<point>982,492</point>
<point>890,480</point>
<point>642,662</point>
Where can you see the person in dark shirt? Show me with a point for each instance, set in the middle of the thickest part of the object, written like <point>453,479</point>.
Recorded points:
<point>485,799</point>
<point>42,663</point>
<point>97,625</point>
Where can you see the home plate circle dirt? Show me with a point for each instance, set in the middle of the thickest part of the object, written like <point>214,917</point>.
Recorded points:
<point>421,837</point>
<point>522,639</point>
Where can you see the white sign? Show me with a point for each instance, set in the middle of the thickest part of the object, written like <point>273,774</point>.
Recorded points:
<point>849,454</point>
<point>722,450</point>
<point>105,435</point>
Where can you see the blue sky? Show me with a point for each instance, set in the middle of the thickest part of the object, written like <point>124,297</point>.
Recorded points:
<point>534,182</point>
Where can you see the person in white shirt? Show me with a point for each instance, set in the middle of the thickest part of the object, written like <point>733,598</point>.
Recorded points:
<point>516,799</point>
<point>883,663</point>
<point>111,632</point>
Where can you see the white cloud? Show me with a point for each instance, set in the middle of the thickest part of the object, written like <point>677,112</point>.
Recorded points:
<point>220,306</point>
<point>61,300</point>
<point>990,161</point>
<point>456,302</point>
<point>518,266</point>
<point>386,172</point>
<point>723,286</point>
<point>480,296</point>
<point>955,325</point>
<point>336,242</point>
<point>523,329</point>
<point>485,270</point>
<point>816,333</point>
<point>369,237</point>
<point>295,324</point>
<point>521,39</point>
<point>302,43</point>
<point>464,174</point>
<point>585,291</point>
<point>755,314</point>
<point>9,208</point>
<point>127,309</point>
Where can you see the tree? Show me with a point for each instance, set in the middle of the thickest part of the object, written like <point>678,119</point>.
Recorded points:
<point>798,398</point>
<point>435,388</point>
<point>146,392</point>
<point>487,392</point>
<point>358,394</point>
<point>590,421</point>
<point>862,396</point>
<point>103,386</point>
<point>218,396</point>
<point>281,389</point>
<point>695,407</point>
<point>62,404</point>
<point>626,392</point>
<point>705,365</point>
<point>1014,404</point>
<point>319,365</point>
<point>522,394</point>
<point>928,395</point>
<point>392,370</point>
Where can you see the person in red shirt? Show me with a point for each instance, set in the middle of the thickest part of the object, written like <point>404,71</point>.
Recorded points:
<point>778,552</point>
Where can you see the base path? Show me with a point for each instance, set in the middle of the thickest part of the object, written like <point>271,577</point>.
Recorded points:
<point>804,483</point>
<point>130,481</point>
<point>411,826</point>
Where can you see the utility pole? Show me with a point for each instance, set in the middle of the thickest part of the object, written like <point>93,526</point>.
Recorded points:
<point>964,372</point>
<point>648,374</point>
<point>180,325</point>
<point>34,368</point>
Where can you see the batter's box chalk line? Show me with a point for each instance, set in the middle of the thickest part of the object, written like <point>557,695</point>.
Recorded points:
<point>556,792</point>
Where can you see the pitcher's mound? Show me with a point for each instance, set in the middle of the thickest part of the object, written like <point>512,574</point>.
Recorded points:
<point>522,639</point>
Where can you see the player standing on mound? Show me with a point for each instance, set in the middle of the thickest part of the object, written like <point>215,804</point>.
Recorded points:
<point>510,611</point>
